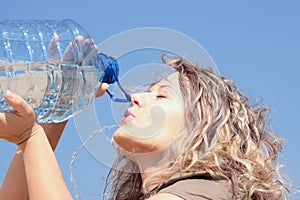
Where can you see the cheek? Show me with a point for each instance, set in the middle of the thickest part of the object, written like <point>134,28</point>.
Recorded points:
<point>166,123</point>
<point>150,120</point>
<point>173,124</point>
<point>147,124</point>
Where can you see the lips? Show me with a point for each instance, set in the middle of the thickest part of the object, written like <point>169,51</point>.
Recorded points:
<point>128,113</point>
<point>127,116</point>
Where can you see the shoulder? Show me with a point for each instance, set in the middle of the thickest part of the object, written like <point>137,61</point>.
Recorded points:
<point>164,196</point>
<point>197,188</point>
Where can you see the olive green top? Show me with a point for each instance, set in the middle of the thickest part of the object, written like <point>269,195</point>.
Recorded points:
<point>195,186</point>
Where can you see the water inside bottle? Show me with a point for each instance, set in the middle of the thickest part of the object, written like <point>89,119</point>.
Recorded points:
<point>56,92</point>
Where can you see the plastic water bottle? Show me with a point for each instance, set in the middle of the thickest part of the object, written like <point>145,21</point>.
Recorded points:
<point>54,65</point>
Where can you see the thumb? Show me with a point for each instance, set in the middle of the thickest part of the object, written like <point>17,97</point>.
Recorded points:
<point>18,103</point>
<point>101,89</point>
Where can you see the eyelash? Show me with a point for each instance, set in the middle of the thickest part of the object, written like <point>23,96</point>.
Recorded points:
<point>160,96</point>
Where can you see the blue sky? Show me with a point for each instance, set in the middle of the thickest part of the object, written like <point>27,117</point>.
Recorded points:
<point>256,43</point>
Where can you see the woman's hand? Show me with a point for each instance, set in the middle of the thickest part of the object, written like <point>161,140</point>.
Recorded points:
<point>79,51</point>
<point>54,130</point>
<point>86,47</point>
<point>19,125</point>
<point>101,89</point>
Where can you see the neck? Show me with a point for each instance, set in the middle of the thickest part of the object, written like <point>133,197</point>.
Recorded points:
<point>148,164</point>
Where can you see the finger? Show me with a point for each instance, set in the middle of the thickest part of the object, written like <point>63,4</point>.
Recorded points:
<point>72,51</point>
<point>89,52</point>
<point>96,47</point>
<point>87,47</point>
<point>78,39</point>
<point>18,104</point>
<point>101,89</point>
<point>52,50</point>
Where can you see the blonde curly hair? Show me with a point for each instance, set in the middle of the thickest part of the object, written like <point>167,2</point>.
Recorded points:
<point>227,139</point>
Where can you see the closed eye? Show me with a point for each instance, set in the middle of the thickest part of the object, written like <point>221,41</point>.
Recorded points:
<point>162,91</point>
<point>160,96</point>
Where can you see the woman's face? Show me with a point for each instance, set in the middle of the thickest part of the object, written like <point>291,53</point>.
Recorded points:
<point>154,118</point>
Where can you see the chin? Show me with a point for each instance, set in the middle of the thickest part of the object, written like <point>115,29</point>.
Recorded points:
<point>133,144</point>
<point>123,140</point>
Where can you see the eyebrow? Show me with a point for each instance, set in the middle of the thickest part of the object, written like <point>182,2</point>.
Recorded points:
<point>161,86</point>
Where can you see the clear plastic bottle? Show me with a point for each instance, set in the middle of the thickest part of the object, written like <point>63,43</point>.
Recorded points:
<point>54,65</point>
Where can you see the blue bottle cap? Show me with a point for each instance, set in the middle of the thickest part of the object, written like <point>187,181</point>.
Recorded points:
<point>110,75</point>
<point>111,69</point>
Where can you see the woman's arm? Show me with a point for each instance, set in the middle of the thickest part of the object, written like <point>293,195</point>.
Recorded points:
<point>43,177</point>
<point>15,178</point>
<point>15,175</point>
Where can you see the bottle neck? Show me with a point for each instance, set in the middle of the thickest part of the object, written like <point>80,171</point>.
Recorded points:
<point>110,76</point>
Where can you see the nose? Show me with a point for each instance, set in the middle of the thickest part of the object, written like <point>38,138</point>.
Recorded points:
<point>140,99</point>
<point>136,99</point>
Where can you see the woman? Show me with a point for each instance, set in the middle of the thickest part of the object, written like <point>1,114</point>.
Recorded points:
<point>191,136</point>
